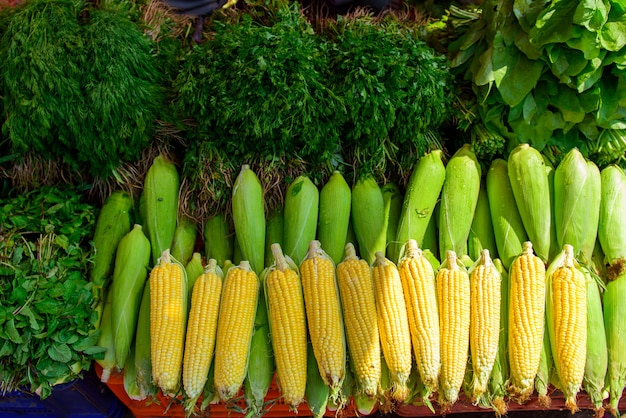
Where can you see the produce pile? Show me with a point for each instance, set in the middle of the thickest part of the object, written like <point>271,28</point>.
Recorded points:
<point>498,285</point>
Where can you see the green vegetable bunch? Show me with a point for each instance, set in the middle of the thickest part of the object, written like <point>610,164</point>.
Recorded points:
<point>551,73</point>
<point>397,91</point>
<point>259,89</point>
<point>80,85</point>
<point>47,331</point>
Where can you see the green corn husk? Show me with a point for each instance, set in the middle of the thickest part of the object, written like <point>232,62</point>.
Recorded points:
<point>301,215</point>
<point>481,235</point>
<point>554,246</point>
<point>218,239</point>
<point>459,196</point>
<point>334,216</point>
<point>508,227</point>
<point>431,236</point>
<point>194,269</point>
<point>130,378</point>
<point>392,199</point>
<point>248,207</point>
<point>260,362</point>
<point>544,373</point>
<point>530,183</point>
<point>612,238</point>
<point>422,193</point>
<point>143,359</point>
<point>577,197</point>
<point>316,392</point>
<point>106,340</point>
<point>368,218</point>
<point>184,241</point>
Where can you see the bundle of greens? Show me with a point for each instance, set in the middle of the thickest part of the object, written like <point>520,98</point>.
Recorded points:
<point>259,89</point>
<point>80,84</point>
<point>551,73</point>
<point>47,331</point>
<point>397,91</point>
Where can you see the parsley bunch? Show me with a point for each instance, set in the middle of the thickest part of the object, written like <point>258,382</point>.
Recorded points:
<point>47,325</point>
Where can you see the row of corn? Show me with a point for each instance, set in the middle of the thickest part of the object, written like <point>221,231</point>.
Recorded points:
<point>495,285</point>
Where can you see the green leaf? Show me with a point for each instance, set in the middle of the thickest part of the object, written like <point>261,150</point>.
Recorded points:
<point>12,332</point>
<point>527,12</point>
<point>554,24</point>
<point>567,101</point>
<point>60,352</point>
<point>592,14</point>
<point>590,75</point>
<point>613,35</point>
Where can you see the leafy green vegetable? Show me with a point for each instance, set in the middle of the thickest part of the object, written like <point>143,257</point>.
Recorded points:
<point>80,84</point>
<point>549,72</point>
<point>47,330</point>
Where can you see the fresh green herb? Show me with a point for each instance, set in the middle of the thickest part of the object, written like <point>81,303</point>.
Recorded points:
<point>396,89</point>
<point>80,85</point>
<point>47,330</point>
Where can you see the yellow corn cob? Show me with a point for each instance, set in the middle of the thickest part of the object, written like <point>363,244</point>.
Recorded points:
<point>393,324</point>
<point>168,317</point>
<point>359,308</point>
<point>453,299</point>
<point>420,294</point>
<point>485,282</point>
<point>201,331</point>
<point>567,322</point>
<point>235,325</point>
<point>324,318</point>
<point>526,321</point>
<point>287,319</point>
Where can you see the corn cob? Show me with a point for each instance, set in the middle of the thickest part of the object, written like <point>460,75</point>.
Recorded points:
<point>485,281</point>
<point>500,373</point>
<point>612,237</point>
<point>324,317</point>
<point>160,194</point>
<point>453,300</point>
<point>194,269</point>
<point>168,319</point>
<point>287,319</point>
<point>481,235</point>
<point>392,199</point>
<point>274,233</point>
<point>105,340</point>
<point>131,272</point>
<point>301,213</point>
<point>393,325</point>
<point>567,322</point>
<point>420,294</point>
<point>368,218</point>
<point>201,332</point>
<point>114,221</point>
<point>249,218</point>
<point>334,216</point>
<point>143,360</point>
<point>354,277</point>
<point>531,187</point>
<point>421,196</point>
<point>507,224</point>
<point>527,298</point>
<point>240,293</point>
<point>261,365</point>
<point>218,239</point>
<point>184,241</point>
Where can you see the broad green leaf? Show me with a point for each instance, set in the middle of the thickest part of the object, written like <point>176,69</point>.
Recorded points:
<point>590,75</point>
<point>554,24</point>
<point>516,75</point>
<point>485,74</point>
<point>588,43</point>
<point>591,14</point>
<point>12,332</point>
<point>527,11</point>
<point>568,103</point>
<point>613,35</point>
<point>60,352</point>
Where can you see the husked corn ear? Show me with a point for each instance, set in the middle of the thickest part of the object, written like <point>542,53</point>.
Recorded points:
<point>485,282</point>
<point>453,299</point>
<point>168,318</point>
<point>567,322</point>
<point>324,317</point>
<point>359,309</point>
<point>420,294</point>
<point>393,324</point>
<point>240,292</point>
<point>526,321</point>
<point>201,332</point>
<point>287,319</point>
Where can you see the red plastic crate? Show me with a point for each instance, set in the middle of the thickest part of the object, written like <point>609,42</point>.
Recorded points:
<point>170,407</point>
